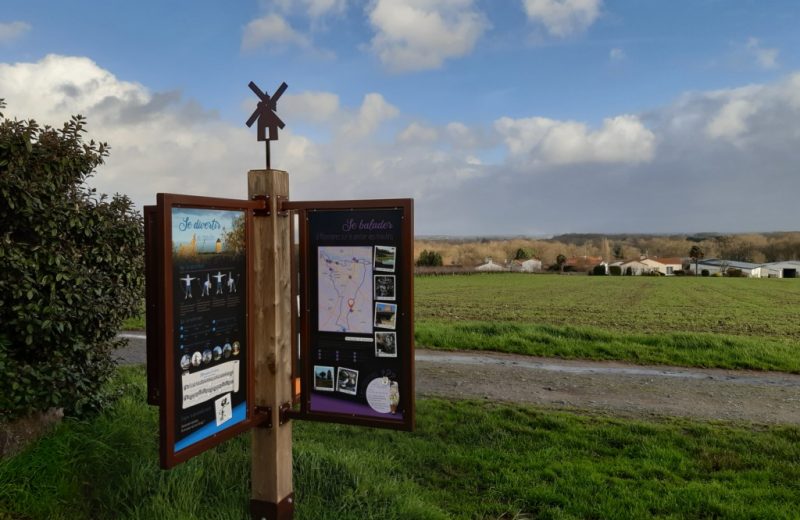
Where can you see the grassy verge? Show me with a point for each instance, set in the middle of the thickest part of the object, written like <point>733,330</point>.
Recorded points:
<point>467,460</point>
<point>679,349</point>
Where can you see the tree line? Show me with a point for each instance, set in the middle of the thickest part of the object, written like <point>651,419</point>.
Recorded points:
<point>744,247</point>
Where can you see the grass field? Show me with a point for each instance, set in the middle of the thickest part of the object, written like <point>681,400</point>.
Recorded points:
<point>703,322</point>
<point>467,460</point>
<point>686,321</point>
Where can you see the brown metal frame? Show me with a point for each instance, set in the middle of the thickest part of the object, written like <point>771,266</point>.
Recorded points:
<point>167,384</point>
<point>407,290</point>
<point>153,312</point>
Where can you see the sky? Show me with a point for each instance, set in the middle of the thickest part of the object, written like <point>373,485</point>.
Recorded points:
<point>498,117</point>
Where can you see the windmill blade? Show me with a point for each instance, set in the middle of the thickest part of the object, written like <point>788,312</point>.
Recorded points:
<point>264,97</point>
<point>253,117</point>
<point>278,93</point>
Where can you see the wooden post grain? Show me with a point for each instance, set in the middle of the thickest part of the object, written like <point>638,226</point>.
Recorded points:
<point>271,473</point>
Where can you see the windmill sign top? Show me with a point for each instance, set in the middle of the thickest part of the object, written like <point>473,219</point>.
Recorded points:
<point>266,116</point>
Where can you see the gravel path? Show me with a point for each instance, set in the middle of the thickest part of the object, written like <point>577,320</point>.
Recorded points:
<point>615,388</point>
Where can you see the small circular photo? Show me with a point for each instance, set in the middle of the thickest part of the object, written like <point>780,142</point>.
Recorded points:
<point>186,362</point>
<point>236,348</point>
<point>217,353</point>
<point>207,356</point>
<point>226,351</point>
<point>197,357</point>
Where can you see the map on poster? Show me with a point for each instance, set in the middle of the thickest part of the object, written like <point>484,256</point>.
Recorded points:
<point>345,289</point>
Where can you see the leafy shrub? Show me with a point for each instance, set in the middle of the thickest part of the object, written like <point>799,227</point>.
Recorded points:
<point>429,259</point>
<point>599,270</point>
<point>70,269</point>
<point>523,253</point>
<point>615,270</point>
<point>735,273</point>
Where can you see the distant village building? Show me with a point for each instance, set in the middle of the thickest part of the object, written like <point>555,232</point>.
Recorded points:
<point>636,268</point>
<point>665,266</point>
<point>717,265</point>
<point>532,265</point>
<point>490,266</point>
<point>788,269</point>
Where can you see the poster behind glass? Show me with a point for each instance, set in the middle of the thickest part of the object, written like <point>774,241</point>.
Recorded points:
<point>209,331</point>
<point>360,321</point>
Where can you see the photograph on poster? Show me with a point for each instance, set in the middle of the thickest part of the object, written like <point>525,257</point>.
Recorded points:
<point>385,257</point>
<point>196,359</point>
<point>323,378</point>
<point>236,348</point>
<point>384,287</point>
<point>207,356</point>
<point>186,362</point>
<point>347,381</point>
<point>385,315</point>
<point>386,344</point>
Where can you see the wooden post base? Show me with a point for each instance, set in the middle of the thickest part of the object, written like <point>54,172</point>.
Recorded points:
<point>284,510</point>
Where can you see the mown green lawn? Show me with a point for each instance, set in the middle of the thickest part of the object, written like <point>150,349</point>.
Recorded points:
<point>686,321</point>
<point>466,460</point>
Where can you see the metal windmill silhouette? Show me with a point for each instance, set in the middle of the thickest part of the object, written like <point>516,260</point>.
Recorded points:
<point>266,116</point>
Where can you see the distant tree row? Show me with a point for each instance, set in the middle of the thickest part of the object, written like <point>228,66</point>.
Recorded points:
<point>751,247</point>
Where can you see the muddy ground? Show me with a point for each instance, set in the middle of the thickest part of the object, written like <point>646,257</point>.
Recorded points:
<point>619,389</point>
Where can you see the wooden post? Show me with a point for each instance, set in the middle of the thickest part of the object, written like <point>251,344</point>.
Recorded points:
<point>271,487</point>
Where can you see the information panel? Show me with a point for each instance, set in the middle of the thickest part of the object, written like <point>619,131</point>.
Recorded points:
<point>358,349</point>
<point>206,390</point>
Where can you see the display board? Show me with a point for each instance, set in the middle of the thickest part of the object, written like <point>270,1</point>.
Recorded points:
<point>205,377</point>
<point>357,335</point>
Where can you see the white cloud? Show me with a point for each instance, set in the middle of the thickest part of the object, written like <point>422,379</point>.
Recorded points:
<point>765,58</point>
<point>373,111</point>
<point>723,160</point>
<point>563,17</point>
<point>616,54</point>
<point>418,133</point>
<point>413,35</point>
<point>10,31</point>
<point>731,120</point>
<point>158,141</point>
<point>310,106</point>
<point>272,29</point>
<point>538,140</point>
<point>311,8</point>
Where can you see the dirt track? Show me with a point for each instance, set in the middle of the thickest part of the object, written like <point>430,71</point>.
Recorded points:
<point>614,388</point>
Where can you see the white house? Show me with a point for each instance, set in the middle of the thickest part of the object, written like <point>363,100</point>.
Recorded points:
<point>665,266</point>
<point>788,269</point>
<point>530,265</point>
<point>490,266</point>
<point>636,268</point>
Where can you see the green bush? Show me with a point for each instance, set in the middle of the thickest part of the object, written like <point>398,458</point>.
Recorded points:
<point>71,269</point>
<point>429,259</point>
<point>599,270</point>
<point>615,270</point>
